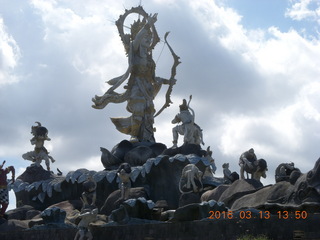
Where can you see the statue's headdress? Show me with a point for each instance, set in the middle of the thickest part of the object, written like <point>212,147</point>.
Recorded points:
<point>137,26</point>
<point>184,105</point>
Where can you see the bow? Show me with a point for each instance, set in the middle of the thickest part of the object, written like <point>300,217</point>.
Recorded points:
<point>173,74</point>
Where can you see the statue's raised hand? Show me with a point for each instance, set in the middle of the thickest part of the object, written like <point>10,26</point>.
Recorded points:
<point>152,19</point>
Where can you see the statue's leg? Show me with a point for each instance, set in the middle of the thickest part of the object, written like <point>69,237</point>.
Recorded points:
<point>122,191</point>
<point>175,135</point>
<point>241,171</point>
<point>126,193</point>
<point>46,160</point>
<point>28,156</point>
<point>135,128</point>
<point>188,134</point>
<point>194,186</point>
<point>137,105</point>
<point>4,200</point>
<point>76,237</point>
<point>89,235</point>
<point>82,235</point>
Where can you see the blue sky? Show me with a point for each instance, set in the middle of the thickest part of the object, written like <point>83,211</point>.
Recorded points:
<point>262,13</point>
<point>251,66</point>
<point>266,13</point>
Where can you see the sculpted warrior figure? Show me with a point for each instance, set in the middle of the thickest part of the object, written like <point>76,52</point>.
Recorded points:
<point>257,167</point>
<point>89,194</point>
<point>124,173</point>
<point>228,176</point>
<point>142,85</point>
<point>190,177</point>
<point>246,159</point>
<point>40,134</point>
<point>189,129</point>
<point>4,195</point>
<point>87,216</point>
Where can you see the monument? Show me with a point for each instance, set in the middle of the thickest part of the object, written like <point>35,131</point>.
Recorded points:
<point>142,84</point>
<point>151,191</point>
<point>40,135</point>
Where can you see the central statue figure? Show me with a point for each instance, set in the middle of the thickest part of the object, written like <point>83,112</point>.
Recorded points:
<point>142,85</point>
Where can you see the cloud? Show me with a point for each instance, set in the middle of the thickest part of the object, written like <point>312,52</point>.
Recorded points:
<point>9,56</point>
<point>304,10</point>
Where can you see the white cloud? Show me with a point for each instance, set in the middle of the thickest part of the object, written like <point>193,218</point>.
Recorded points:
<point>304,10</point>
<point>9,56</point>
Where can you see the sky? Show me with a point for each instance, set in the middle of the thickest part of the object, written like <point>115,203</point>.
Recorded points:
<point>252,68</point>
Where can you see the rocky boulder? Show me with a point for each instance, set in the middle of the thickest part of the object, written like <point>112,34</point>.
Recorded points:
<point>238,189</point>
<point>114,199</point>
<point>197,211</point>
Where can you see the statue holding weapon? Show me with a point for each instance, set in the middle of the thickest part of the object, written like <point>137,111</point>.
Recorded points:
<point>142,85</point>
<point>188,128</point>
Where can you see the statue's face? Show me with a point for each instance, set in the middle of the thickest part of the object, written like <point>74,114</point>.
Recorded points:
<point>146,40</point>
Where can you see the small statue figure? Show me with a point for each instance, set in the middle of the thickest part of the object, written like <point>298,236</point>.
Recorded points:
<point>227,175</point>
<point>124,172</point>
<point>4,193</point>
<point>87,216</point>
<point>246,160</point>
<point>40,134</point>
<point>211,169</point>
<point>189,176</point>
<point>257,167</point>
<point>89,195</point>
<point>284,170</point>
<point>142,85</point>
<point>189,129</point>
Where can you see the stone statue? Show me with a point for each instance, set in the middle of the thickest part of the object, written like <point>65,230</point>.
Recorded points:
<point>211,169</point>
<point>40,134</point>
<point>89,194</point>
<point>87,216</point>
<point>190,176</point>
<point>124,172</point>
<point>142,85</point>
<point>228,176</point>
<point>189,129</point>
<point>4,193</point>
<point>248,162</point>
<point>284,170</point>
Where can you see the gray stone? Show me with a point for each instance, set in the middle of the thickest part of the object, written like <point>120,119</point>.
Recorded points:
<point>138,155</point>
<point>53,215</point>
<point>19,213</point>
<point>114,199</point>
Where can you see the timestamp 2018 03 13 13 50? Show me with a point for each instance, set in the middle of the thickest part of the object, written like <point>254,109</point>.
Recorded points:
<point>260,215</point>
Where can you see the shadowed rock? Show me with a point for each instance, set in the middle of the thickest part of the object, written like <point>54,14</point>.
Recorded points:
<point>214,194</point>
<point>238,189</point>
<point>34,173</point>
<point>114,199</point>
<point>138,155</point>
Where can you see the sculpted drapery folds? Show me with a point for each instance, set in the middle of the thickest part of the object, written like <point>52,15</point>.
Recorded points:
<point>142,85</point>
